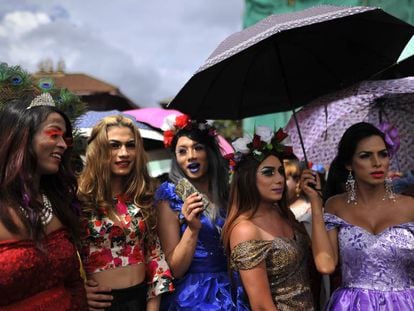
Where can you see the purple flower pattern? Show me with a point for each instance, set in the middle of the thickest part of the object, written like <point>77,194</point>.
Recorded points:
<point>377,269</point>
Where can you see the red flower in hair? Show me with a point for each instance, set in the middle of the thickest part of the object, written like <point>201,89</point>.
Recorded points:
<point>280,135</point>
<point>288,150</point>
<point>230,158</point>
<point>257,142</point>
<point>182,121</point>
<point>168,138</point>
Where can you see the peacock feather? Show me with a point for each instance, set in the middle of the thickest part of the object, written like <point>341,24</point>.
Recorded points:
<point>16,83</point>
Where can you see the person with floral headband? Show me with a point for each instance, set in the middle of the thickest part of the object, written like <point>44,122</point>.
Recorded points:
<point>191,209</point>
<point>125,266</point>
<point>265,243</point>
<point>39,225</point>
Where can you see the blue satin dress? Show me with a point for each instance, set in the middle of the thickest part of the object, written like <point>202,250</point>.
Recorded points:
<point>206,285</point>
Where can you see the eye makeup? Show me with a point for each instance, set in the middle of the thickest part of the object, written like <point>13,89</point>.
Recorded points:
<point>271,170</point>
<point>268,171</point>
<point>54,133</point>
<point>116,144</point>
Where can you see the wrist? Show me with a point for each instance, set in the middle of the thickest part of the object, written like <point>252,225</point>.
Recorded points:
<point>193,230</point>
<point>316,206</point>
<point>316,201</point>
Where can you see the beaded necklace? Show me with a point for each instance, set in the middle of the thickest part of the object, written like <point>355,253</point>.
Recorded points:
<point>46,214</point>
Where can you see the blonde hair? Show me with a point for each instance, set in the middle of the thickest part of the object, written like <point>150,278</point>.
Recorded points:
<point>94,189</point>
<point>292,168</point>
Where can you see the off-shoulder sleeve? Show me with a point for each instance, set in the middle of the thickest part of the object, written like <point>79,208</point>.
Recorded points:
<point>249,254</point>
<point>166,192</point>
<point>332,221</point>
<point>159,276</point>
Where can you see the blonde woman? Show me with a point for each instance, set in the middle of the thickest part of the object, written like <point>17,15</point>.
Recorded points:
<point>125,266</point>
<point>297,200</point>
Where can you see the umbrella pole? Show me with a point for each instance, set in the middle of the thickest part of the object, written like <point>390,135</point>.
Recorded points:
<point>291,102</point>
<point>300,135</point>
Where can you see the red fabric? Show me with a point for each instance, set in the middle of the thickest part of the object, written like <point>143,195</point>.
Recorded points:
<point>32,279</point>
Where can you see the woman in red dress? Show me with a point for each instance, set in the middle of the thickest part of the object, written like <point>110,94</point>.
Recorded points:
<point>39,265</point>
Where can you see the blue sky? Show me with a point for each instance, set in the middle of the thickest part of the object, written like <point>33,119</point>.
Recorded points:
<point>149,49</point>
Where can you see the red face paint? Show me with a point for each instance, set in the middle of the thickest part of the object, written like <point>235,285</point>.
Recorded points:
<point>55,133</point>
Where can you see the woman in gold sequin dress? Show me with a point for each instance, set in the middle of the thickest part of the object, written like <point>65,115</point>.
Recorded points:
<point>265,243</point>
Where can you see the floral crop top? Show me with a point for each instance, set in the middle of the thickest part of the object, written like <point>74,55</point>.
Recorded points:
<point>107,245</point>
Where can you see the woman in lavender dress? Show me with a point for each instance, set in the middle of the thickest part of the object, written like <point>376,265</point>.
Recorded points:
<point>367,229</point>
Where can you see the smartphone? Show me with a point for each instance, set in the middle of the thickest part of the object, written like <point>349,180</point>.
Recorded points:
<point>303,165</point>
<point>184,188</point>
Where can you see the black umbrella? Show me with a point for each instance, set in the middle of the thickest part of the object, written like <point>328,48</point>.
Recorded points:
<point>286,60</point>
<point>404,68</point>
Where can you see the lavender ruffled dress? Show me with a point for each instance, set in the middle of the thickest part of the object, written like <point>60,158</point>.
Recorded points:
<point>377,269</point>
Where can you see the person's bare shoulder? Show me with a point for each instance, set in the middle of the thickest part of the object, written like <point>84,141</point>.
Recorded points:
<point>336,203</point>
<point>406,204</point>
<point>244,230</point>
<point>5,234</point>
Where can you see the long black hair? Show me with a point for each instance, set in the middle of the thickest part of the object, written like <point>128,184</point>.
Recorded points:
<point>338,173</point>
<point>218,169</point>
<point>18,164</point>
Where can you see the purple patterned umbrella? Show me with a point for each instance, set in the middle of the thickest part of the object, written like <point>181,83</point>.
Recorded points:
<point>323,121</point>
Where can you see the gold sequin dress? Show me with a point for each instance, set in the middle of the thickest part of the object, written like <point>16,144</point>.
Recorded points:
<point>287,268</point>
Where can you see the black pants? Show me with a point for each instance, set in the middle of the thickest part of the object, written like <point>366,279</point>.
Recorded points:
<point>133,298</point>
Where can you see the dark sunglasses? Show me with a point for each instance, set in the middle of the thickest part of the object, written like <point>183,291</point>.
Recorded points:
<point>271,170</point>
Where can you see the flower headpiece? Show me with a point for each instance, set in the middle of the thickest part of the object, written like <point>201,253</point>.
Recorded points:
<point>263,141</point>
<point>392,137</point>
<point>174,123</point>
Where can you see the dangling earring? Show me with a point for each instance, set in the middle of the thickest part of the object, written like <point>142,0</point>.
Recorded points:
<point>297,190</point>
<point>389,190</point>
<point>350,189</point>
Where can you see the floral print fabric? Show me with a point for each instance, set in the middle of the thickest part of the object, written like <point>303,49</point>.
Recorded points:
<point>107,245</point>
<point>377,269</point>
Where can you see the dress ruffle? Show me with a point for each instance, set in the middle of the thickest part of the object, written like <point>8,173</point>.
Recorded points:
<point>205,291</point>
<point>206,284</point>
<point>166,191</point>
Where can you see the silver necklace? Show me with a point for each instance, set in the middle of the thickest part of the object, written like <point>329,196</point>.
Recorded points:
<point>46,214</point>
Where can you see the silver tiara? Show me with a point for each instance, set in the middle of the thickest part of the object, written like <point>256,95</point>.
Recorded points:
<point>44,99</point>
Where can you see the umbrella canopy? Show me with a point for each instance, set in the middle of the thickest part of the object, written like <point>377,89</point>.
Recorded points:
<point>404,68</point>
<point>155,117</point>
<point>287,60</point>
<point>88,120</point>
<point>324,121</point>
